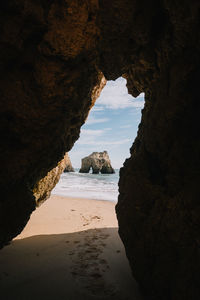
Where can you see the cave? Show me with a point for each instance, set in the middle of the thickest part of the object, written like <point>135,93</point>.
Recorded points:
<point>55,59</point>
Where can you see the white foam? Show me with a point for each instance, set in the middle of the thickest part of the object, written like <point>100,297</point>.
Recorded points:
<point>92,186</point>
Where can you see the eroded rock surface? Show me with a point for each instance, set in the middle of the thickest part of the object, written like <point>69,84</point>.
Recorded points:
<point>98,162</point>
<point>68,167</point>
<point>53,56</point>
<point>42,190</point>
<point>49,82</point>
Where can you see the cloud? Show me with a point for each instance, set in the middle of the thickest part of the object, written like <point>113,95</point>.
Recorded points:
<point>91,132</point>
<point>115,96</point>
<point>125,126</point>
<point>97,108</point>
<point>92,137</point>
<point>91,140</point>
<point>107,129</point>
<point>120,142</point>
<point>88,136</point>
<point>92,120</point>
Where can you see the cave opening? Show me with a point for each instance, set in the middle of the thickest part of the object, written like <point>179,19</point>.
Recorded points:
<point>111,127</point>
<point>109,131</point>
<point>53,54</point>
<point>76,228</point>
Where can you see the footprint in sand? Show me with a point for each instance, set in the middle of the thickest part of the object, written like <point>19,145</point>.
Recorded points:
<point>96,275</point>
<point>87,265</point>
<point>102,261</point>
<point>103,244</point>
<point>88,220</point>
<point>95,217</point>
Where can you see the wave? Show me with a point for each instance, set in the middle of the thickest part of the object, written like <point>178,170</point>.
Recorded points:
<point>92,186</point>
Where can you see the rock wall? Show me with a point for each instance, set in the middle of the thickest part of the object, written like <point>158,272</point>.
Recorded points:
<point>68,167</point>
<point>49,81</point>
<point>53,56</point>
<point>42,190</point>
<point>98,162</point>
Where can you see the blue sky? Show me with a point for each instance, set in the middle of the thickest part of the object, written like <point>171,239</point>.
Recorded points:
<point>112,125</point>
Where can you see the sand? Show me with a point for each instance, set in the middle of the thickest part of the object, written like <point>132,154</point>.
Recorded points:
<point>70,249</point>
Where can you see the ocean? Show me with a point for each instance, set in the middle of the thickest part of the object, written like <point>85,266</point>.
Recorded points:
<point>90,186</point>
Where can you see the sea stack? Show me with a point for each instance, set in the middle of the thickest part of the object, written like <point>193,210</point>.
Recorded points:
<point>68,167</point>
<point>99,162</point>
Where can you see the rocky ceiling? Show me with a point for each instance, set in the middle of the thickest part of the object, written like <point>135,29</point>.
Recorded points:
<point>54,56</point>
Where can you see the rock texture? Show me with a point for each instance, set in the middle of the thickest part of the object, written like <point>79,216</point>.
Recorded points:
<point>68,167</point>
<point>49,81</point>
<point>54,56</point>
<point>42,190</point>
<point>98,162</point>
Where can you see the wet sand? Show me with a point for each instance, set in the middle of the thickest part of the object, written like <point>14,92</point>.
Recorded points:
<point>70,249</point>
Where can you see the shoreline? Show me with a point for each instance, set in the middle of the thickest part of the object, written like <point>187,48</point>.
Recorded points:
<point>60,214</point>
<point>85,198</point>
<point>88,186</point>
<point>70,249</point>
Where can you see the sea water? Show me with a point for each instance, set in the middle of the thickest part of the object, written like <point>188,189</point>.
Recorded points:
<point>90,186</point>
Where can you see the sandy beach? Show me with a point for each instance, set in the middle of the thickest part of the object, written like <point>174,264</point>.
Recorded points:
<point>70,249</point>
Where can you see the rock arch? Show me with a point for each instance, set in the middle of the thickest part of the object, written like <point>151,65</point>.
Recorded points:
<point>54,55</point>
<point>98,162</point>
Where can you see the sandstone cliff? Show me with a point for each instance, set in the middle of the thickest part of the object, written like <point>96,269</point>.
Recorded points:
<point>42,190</point>
<point>68,167</point>
<point>98,162</point>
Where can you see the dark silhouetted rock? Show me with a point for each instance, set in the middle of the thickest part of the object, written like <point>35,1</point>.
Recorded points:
<point>98,162</point>
<point>53,59</point>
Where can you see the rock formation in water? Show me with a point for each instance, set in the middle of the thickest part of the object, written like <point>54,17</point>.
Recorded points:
<point>68,167</point>
<point>98,162</point>
<point>54,56</point>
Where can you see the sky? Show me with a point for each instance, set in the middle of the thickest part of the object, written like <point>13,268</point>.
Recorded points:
<point>112,125</point>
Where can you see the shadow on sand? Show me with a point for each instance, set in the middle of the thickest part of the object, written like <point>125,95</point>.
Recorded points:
<point>85,265</point>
